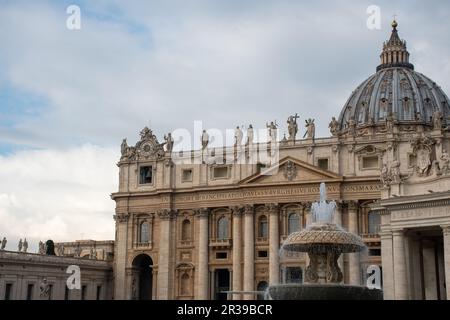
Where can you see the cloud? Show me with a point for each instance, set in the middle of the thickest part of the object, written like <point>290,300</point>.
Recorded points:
<point>144,63</point>
<point>58,194</point>
<point>67,98</point>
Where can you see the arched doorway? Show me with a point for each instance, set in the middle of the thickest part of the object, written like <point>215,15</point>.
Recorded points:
<point>142,282</point>
<point>262,286</point>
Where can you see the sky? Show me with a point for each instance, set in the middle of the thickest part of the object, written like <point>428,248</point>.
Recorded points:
<point>69,97</point>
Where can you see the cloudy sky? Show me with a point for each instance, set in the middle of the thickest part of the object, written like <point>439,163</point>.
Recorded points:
<point>68,97</point>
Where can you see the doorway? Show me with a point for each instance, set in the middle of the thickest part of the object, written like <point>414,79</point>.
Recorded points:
<point>222,281</point>
<point>142,282</point>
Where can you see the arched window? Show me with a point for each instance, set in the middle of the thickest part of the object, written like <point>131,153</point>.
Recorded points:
<point>144,232</point>
<point>293,223</point>
<point>374,223</point>
<point>262,227</point>
<point>185,288</point>
<point>222,228</point>
<point>186,230</point>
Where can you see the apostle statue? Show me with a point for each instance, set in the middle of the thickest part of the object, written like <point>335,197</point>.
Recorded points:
<point>384,176</point>
<point>272,131</point>
<point>41,248</point>
<point>310,129</point>
<point>250,135</point>
<point>19,246</point>
<point>44,288</point>
<point>124,147</point>
<point>204,139</point>
<point>437,120</point>
<point>169,142</point>
<point>25,245</point>
<point>292,126</point>
<point>4,241</point>
<point>238,135</point>
<point>445,162</point>
<point>395,171</point>
<point>334,127</point>
<point>351,124</point>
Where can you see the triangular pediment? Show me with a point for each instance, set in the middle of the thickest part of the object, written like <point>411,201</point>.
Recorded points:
<point>291,170</point>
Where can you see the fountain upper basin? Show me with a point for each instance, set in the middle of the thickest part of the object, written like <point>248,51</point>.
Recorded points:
<point>323,237</point>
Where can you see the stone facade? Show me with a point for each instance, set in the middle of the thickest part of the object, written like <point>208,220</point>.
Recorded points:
<point>209,224</point>
<point>30,276</point>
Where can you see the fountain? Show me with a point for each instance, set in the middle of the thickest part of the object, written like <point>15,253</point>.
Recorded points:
<point>324,242</point>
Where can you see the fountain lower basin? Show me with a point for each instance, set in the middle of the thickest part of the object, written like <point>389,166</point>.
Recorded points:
<point>323,292</point>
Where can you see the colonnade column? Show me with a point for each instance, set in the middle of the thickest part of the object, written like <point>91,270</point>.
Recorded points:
<point>400,276</point>
<point>274,244</point>
<point>249,252</point>
<point>446,232</point>
<point>388,264</point>
<point>203,269</point>
<point>353,258</point>
<point>338,222</point>
<point>165,217</point>
<point>120,255</point>
<point>237,251</point>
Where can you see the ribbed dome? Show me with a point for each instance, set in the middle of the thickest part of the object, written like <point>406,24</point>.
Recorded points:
<point>396,88</point>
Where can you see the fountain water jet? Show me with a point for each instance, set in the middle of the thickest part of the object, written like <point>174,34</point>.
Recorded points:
<point>324,242</point>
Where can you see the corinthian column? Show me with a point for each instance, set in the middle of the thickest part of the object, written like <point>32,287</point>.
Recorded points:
<point>274,244</point>
<point>400,277</point>
<point>354,272</point>
<point>338,222</point>
<point>165,217</point>
<point>120,255</point>
<point>249,252</point>
<point>446,232</point>
<point>202,269</point>
<point>237,251</point>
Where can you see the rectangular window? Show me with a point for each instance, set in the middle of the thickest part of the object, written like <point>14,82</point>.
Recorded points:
<point>30,289</point>
<point>220,173</point>
<point>8,291</point>
<point>99,292</point>
<point>411,160</point>
<point>374,252</point>
<point>66,293</point>
<point>83,292</point>
<point>145,175</point>
<point>186,176</point>
<point>370,162</point>
<point>322,164</point>
<point>262,254</point>
<point>221,255</point>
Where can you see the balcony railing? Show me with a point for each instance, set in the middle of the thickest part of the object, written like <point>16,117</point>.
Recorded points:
<point>143,245</point>
<point>220,243</point>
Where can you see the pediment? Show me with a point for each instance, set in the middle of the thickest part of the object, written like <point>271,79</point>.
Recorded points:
<point>291,170</point>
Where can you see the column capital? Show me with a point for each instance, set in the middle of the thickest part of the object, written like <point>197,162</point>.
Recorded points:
<point>352,205</point>
<point>446,230</point>
<point>166,214</point>
<point>202,212</point>
<point>236,211</point>
<point>398,232</point>
<point>121,217</point>
<point>339,204</point>
<point>249,209</point>
<point>271,208</point>
<point>306,205</point>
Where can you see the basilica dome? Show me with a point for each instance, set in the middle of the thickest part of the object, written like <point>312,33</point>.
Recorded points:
<point>395,90</point>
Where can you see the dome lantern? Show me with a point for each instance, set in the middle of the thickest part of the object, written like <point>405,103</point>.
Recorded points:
<point>395,53</point>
